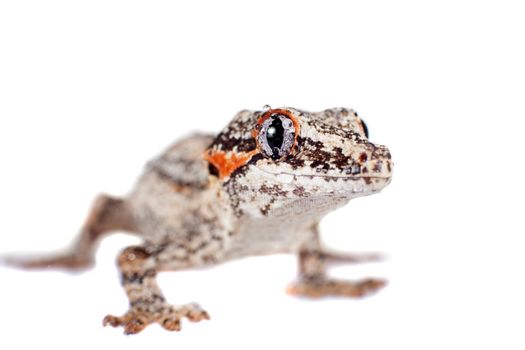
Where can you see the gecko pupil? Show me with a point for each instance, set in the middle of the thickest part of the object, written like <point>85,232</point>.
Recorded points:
<point>275,136</point>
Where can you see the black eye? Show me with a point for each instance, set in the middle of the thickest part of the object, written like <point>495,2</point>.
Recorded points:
<point>365,128</point>
<point>277,136</point>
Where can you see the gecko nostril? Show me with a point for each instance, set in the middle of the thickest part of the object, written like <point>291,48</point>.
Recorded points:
<point>378,166</point>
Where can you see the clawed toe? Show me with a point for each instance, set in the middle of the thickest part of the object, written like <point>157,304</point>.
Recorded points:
<point>171,324</point>
<point>134,326</point>
<point>112,321</point>
<point>194,312</point>
<point>131,323</point>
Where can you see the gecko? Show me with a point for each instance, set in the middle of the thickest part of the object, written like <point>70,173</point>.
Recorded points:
<point>259,187</point>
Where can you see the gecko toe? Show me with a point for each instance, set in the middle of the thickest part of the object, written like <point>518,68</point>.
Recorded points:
<point>171,324</point>
<point>194,312</point>
<point>134,326</point>
<point>131,322</point>
<point>111,320</point>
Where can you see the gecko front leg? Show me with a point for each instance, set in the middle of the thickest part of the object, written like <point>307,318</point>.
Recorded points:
<point>314,283</point>
<point>138,267</point>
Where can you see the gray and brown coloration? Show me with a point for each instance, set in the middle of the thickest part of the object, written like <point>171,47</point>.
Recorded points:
<point>260,186</point>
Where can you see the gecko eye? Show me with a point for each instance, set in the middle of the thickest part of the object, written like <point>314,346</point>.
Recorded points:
<point>276,136</point>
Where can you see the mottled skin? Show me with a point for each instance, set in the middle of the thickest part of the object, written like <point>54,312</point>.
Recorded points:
<point>207,200</point>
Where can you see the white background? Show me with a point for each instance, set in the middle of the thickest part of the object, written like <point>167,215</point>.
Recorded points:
<point>90,90</point>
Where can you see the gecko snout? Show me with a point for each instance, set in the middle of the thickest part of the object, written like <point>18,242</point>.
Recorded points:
<point>378,163</point>
<point>379,168</point>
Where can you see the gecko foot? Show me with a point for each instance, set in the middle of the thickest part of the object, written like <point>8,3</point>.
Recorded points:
<point>169,317</point>
<point>326,287</point>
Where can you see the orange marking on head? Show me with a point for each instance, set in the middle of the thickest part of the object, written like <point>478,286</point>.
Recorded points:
<point>268,114</point>
<point>227,162</point>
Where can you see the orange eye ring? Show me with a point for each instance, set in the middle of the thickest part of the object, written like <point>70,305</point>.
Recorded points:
<point>274,112</point>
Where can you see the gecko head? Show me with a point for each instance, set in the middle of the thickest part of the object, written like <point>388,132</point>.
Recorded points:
<point>285,156</point>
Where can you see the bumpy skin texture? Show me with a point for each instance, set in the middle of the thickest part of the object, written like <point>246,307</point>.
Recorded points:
<point>209,199</point>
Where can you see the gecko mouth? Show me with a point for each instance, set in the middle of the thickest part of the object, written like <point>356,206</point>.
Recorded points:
<point>329,177</point>
<point>379,170</point>
<point>347,186</point>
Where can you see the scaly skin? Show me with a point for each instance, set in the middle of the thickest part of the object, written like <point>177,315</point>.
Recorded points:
<point>260,186</point>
